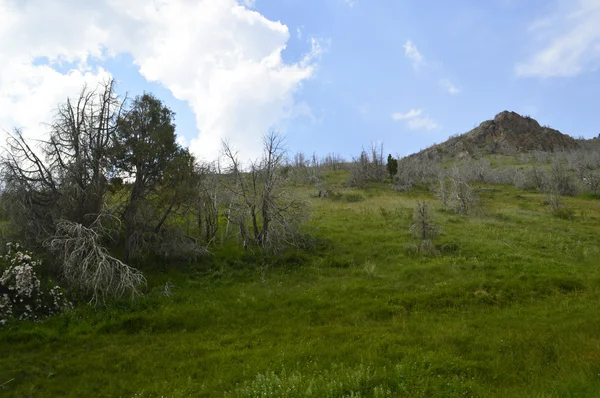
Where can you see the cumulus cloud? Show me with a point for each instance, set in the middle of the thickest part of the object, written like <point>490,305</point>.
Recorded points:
<point>567,42</point>
<point>416,120</point>
<point>412,53</point>
<point>220,56</point>
<point>30,88</point>
<point>351,3</point>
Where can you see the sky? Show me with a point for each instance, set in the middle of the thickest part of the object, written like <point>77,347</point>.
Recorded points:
<point>333,76</point>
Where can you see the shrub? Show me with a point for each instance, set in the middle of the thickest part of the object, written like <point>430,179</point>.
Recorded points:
<point>456,193</point>
<point>537,177</point>
<point>561,180</point>
<point>423,227</point>
<point>22,296</point>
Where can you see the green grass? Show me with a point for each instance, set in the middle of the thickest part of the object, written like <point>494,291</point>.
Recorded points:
<point>508,308</point>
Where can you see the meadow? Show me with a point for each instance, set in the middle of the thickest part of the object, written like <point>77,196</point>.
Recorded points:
<point>508,307</point>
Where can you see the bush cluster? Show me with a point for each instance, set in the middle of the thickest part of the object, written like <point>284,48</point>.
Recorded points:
<point>22,295</point>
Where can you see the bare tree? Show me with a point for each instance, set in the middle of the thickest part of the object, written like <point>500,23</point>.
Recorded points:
<point>359,172</point>
<point>423,226</point>
<point>424,229</point>
<point>378,169</point>
<point>66,176</point>
<point>264,210</point>
<point>369,166</point>
<point>207,206</point>
<point>334,161</point>
<point>300,160</point>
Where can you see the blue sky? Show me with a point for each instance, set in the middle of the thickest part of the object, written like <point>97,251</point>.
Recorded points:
<point>333,75</point>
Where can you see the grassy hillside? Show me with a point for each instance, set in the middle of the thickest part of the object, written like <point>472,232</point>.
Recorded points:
<point>508,308</point>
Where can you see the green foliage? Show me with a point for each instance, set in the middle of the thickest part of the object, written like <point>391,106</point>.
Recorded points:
<point>392,166</point>
<point>146,141</point>
<point>163,177</point>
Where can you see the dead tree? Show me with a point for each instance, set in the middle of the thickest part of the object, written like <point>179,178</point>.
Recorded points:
<point>64,177</point>
<point>266,213</point>
<point>207,201</point>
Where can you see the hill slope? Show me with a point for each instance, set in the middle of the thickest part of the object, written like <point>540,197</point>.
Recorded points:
<point>508,308</point>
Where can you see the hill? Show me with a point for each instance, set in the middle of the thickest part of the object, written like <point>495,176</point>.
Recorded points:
<point>507,133</point>
<point>507,308</point>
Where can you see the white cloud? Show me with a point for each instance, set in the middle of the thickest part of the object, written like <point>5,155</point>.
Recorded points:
<point>408,115</point>
<point>450,87</point>
<point>422,123</point>
<point>415,120</point>
<point>412,53</point>
<point>351,3</point>
<point>219,56</point>
<point>567,41</point>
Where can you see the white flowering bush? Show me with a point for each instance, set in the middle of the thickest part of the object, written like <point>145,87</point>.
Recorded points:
<point>22,296</point>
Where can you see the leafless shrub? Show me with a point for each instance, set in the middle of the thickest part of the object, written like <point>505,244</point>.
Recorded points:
<point>87,266</point>
<point>560,180</point>
<point>592,181</point>
<point>416,170</point>
<point>334,161</point>
<point>586,164</point>
<point>378,169</point>
<point>300,160</point>
<point>359,171</point>
<point>537,177</point>
<point>369,166</point>
<point>521,181</point>
<point>461,196</point>
<point>524,158</point>
<point>207,201</point>
<point>476,170</point>
<point>423,227</point>
<point>442,191</point>
<point>505,175</point>
<point>554,200</point>
<point>264,211</point>
<point>304,170</point>
<point>541,156</point>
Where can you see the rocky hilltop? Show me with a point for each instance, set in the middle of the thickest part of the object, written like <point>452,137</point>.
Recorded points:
<point>508,132</point>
